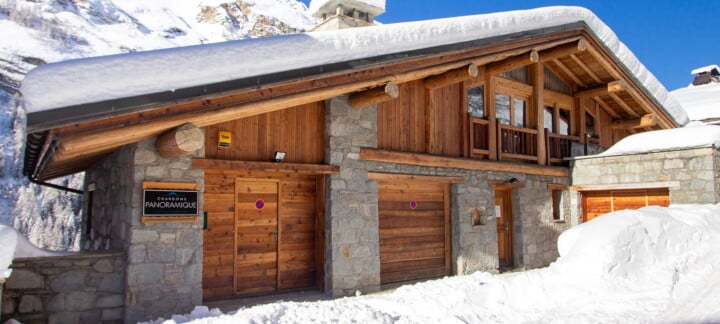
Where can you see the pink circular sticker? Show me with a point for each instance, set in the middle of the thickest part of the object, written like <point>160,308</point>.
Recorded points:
<point>413,204</point>
<point>259,204</point>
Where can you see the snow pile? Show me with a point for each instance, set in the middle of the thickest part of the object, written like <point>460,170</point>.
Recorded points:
<point>700,102</point>
<point>14,245</point>
<point>692,136</point>
<point>651,265</point>
<point>96,80</point>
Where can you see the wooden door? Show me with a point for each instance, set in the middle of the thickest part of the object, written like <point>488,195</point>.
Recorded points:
<point>504,219</point>
<point>256,236</point>
<point>414,225</point>
<point>597,203</point>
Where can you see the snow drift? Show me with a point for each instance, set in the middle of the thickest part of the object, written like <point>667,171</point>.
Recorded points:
<point>651,265</point>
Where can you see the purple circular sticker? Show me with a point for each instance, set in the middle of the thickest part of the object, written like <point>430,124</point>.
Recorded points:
<point>259,204</point>
<point>413,204</point>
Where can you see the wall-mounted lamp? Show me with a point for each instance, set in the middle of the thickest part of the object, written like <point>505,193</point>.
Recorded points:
<point>512,180</point>
<point>279,156</point>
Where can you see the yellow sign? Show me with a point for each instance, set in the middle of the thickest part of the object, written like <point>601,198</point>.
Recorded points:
<point>224,139</point>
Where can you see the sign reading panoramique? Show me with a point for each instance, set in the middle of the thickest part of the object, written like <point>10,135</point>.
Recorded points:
<point>170,202</point>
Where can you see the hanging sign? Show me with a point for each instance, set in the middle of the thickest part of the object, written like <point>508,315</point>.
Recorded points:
<point>413,204</point>
<point>170,202</point>
<point>259,204</point>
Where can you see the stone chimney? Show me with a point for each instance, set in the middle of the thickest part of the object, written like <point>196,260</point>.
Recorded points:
<point>706,74</point>
<point>340,14</point>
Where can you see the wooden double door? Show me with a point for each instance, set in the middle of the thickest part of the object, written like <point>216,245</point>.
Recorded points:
<point>275,238</point>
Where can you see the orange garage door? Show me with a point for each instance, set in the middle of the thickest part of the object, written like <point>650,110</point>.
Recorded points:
<point>596,203</point>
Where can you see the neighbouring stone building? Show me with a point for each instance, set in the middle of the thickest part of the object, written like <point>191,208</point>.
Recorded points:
<point>370,156</point>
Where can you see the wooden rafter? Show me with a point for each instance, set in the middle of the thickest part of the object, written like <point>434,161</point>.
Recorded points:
<point>452,76</point>
<point>514,62</point>
<point>611,87</point>
<point>375,95</point>
<point>585,68</point>
<point>562,51</point>
<point>569,73</point>
<point>622,104</point>
<point>606,107</point>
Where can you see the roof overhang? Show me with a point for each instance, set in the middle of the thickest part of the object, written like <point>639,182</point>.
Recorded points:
<point>69,139</point>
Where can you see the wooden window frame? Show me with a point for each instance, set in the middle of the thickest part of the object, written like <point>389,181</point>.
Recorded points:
<point>514,90</point>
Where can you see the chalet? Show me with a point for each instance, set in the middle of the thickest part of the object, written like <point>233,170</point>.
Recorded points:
<point>338,160</point>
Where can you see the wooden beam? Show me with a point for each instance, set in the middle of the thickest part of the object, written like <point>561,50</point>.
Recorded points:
<point>538,82</point>
<point>562,51</point>
<point>514,62</point>
<point>623,105</point>
<point>606,107</point>
<point>506,184</point>
<point>585,68</point>
<point>569,73</point>
<point>265,167</point>
<point>404,177</point>
<point>180,141</point>
<point>369,154</point>
<point>450,77</point>
<point>373,96</point>
<point>611,87</point>
<point>648,120</point>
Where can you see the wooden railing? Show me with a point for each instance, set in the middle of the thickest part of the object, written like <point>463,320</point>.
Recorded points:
<point>559,146</point>
<point>517,143</point>
<point>479,138</point>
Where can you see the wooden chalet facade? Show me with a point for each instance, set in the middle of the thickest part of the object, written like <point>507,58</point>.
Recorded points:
<point>427,163</point>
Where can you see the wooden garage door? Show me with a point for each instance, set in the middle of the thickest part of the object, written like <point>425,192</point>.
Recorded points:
<point>262,238</point>
<point>597,203</point>
<point>414,230</point>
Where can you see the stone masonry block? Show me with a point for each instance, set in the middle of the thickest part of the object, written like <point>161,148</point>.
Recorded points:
<point>24,279</point>
<point>69,281</point>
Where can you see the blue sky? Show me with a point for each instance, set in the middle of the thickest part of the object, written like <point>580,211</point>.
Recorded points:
<point>670,37</point>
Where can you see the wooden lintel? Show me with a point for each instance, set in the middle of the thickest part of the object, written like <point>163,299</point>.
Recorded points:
<point>556,186</point>
<point>649,120</point>
<point>506,184</point>
<point>562,51</point>
<point>267,167</point>
<point>450,77</point>
<point>375,95</point>
<point>514,62</point>
<point>378,155</point>
<point>404,177</point>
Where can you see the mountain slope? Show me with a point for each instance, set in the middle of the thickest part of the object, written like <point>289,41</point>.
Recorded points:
<point>36,32</point>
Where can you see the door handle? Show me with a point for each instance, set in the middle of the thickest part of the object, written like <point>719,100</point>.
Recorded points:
<point>275,236</point>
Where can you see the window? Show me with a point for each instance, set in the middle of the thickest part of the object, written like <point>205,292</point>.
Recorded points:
<point>557,120</point>
<point>510,112</point>
<point>590,124</point>
<point>520,74</point>
<point>563,121</point>
<point>556,199</point>
<point>476,104</point>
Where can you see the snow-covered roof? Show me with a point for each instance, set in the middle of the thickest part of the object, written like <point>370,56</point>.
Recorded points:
<point>691,136</point>
<point>100,79</point>
<point>706,69</point>
<point>701,102</point>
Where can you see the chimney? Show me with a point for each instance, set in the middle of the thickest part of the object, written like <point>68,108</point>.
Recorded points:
<point>340,14</point>
<point>706,74</point>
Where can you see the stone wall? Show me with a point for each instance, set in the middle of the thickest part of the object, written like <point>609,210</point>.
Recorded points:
<point>82,288</point>
<point>691,174</point>
<point>164,260</point>
<point>352,209</point>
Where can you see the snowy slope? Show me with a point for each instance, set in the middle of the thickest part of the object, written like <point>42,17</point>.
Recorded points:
<point>700,102</point>
<point>44,31</point>
<point>653,265</point>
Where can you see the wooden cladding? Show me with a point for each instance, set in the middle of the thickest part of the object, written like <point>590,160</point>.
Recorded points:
<point>414,220</point>
<point>597,203</point>
<point>263,235</point>
<point>298,131</point>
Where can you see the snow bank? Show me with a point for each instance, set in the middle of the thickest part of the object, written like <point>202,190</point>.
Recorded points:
<point>14,244</point>
<point>651,265</point>
<point>667,139</point>
<point>111,77</point>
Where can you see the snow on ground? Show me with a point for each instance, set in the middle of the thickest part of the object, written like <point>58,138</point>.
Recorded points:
<point>650,265</point>
<point>13,245</point>
<point>96,79</point>
<point>691,136</point>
